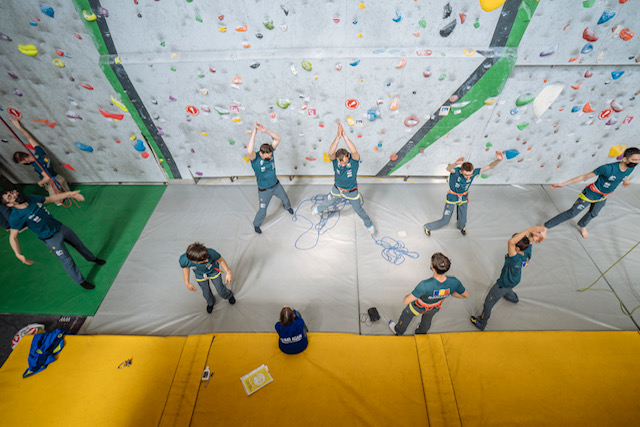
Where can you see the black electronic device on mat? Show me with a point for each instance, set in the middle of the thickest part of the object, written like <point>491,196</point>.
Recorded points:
<point>373,314</point>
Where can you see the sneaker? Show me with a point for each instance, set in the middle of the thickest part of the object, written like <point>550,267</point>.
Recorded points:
<point>290,211</point>
<point>58,204</point>
<point>513,299</point>
<point>87,285</point>
<point>371,229</point>
<point>232,300</point>
<point>392,326</point>
<point>209,308</point>
<point>427,231</point>
<point>464,231</point>
<point>100,261</point>
<point>475,323</point>
<point>257,230</point>
<point>314,211</point>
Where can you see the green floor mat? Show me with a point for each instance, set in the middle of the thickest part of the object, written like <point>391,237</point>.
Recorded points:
<point>108,222</point>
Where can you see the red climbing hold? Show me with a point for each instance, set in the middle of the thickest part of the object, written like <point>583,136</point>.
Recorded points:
<point>588,73</point>
<point>604,114</point>
<point>352,103</point>
<point>86,86</point>
<point>463,17</point>
<point>68,166</point>
<point>393,157</point>
<point>108,115</point>
<point>626,34</point>
<point>589,35</point>
<point>144,155</point>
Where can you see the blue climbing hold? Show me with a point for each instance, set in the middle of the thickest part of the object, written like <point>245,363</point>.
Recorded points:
<point>576,108</point>
<point>46,9</point>
<point>139,145</point>
<point>587,48</point>
<point>514,111</point>
<point>354,63</point>
<point>378,51</point>
<point>373,114</point>
<point>606,15</point>
<point>83,147</point>
<point>511,153</point>
<point>398,17</point>
<point>616,74</point>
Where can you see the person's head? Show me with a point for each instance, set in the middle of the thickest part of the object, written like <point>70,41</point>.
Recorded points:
<point>523,244</point>
<point>343,156</point>
<point>440,264</point>
<point>466,169</point>
<point>12,197</point>
<point>23,158</point>
<point>287,315</point>
<point>631,157</point>
<point>266,152</point>
<point>198,253</point>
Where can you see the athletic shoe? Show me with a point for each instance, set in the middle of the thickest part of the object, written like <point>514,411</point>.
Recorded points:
<point>232,300</point>
<point>427,231</point>
<point>475,323</point>
<point>513,300</point>
<point>100,261</point>
<point>314,211</point>
<point>87,285</point>
<point>209,308</point>
<point>290,211</point>
<point>257,230</point>
<point>392,326</point>
<point>464,231</point>
<point>371,229</point>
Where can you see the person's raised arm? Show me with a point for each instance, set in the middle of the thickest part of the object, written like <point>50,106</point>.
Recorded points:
<point>32,140</point>
<point>67,195</point>
<point>499,157</point>
<point>574,180</point>
<point>537,231</point>
<point>252,142</point>
<point>352,147</point>
<point>451,167</point>
<point>15,245</point>
<point>334,144</point>
<point>274,136</point>
<point>228,277</point>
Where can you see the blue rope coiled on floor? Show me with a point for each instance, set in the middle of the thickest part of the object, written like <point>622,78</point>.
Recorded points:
<point>323,225</point>
<point>394,250</point>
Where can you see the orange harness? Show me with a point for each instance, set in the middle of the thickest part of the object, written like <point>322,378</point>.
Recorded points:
<point>427,307</point>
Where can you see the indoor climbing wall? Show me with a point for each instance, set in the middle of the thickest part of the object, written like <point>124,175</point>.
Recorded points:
<point>415,83</point>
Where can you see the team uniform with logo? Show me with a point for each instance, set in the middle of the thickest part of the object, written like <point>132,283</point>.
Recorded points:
<point>457,198</point>
<point>44,160</point>
<point>292,339</point>
<point>268,186</point>
<point>595,195</point>
<point>431,294</point>
<point>209,271</point>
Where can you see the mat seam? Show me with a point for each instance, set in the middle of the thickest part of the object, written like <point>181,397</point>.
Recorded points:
<point>455,397</point>
<point>424,391</point>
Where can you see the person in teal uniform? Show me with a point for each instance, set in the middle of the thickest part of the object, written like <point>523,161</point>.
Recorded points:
<point>345,168</point>
<point>264,166</point>
<point>207,265</point>
<point>427,298</point>
<point>518,255</point>
<point>595,195</point>
<point>461,176</point>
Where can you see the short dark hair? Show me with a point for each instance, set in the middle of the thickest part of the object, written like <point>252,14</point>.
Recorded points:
<point>467,167</point>
<point>630,152</point>
<point>197,252</point>
<point>286,316</point>
<point>523,244</point>
<point>266,148</point>
<point>2,196</point>
<point>20,156</point>
<point>440,263</point>
<point>342,152</point>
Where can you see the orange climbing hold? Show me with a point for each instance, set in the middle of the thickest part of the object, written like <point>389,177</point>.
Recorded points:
<point>574,58</point>
<point>626,34</point>
<point>587,108</point>
<point>393,157</point>
<point>401,64</point>
<point>237,80</point>
<point>394,104</point>
<point>576,87</point>
<point>242,29</point>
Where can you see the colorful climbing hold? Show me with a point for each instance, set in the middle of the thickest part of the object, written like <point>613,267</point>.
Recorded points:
<point>588,73</point>
<point>612,121</point>
<point>242,29</point>
<point>139,145</point>
<point>616,74</point>
<point>525,98</point>
<point>521,126</point>
<point>354,63</point>
<point>268,24</point>
<point>587,48</point>
<point>604,114</point>
<point>394,104</point>
<point>626,34</point>
<point>550,51</point>
<point>422,23</point>
<point>393,157</point>
<point>89,16</point>
<point>306,65</point>
<point>588,3</point>
<point>28,49</point>
<point>510,154</point>
<point>477,23</point>
<point>616,107</point>
<point>58,62</point>
<point>606,16</point>
<point>411,121</point>
<point>463,17</point>
<point>587,108</point>
<point>402,63</point>
<point>283,103</point>
<point>108,115</point>
<point>83,147</point>
<point>351,103</point>
<point>192,109</point>
<point>144,155</point>
<point>489,5</point>
<point>86,86</point>
<point>617,150</point>
<point>236,80</point>
<point>442,76</point>
<point>589,35</point>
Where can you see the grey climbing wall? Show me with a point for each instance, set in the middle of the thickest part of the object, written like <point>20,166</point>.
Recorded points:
<point>199,73</point>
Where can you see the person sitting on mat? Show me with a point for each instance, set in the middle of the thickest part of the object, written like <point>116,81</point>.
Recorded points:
<point>264,167</point>
<point>595,195</point>
<point>428,296</point>
<point>292,331</point>
<point>205,263</point>
<point>461,176</point>
<point>519,251</point>
<point>345,167</point>
<point>38,161</point>
<point>30,211</point>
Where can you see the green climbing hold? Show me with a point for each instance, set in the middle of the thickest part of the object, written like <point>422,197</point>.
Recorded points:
<point>422,23</point>
<point>306,65</point>
<point>283,103</point>
<point>200,75</point>
<point>162,43</point>
<point>173,68</point>
<point>588,3</point>
<point>484,176</point>
<point>442,76</point>
<point>231,142</point>
<point>198,17</point>
<point>221,111</point>
<point>523,125</point>
<point>489,145</point>
<point>268,24</point>
<point>524,99</point>
<point>477,23</point>
<point>443,54</point>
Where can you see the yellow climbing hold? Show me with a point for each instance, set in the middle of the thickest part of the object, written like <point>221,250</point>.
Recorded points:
<point>490,101</point>
<point>222,29</point>
<point>28,49</point>
<point>174,55</point>
<point>617,150</point>
<point>362,6</point>
<point>236,119</point>
<point>204,91</point>
<point>118,104</point>
<point>350,121</point>
<point>132,137</point>
<point>246,159</point>
<point>118,60</point>
<point>359,35</point>
<point>89,16</point>
<point>326,157</point>
<point>468,53</point>
<point>58,63</point>
<point>203,133</point>
<point>489,5</point>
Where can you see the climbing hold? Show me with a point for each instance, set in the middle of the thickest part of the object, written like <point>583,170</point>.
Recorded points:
<point>118,104</point>
<point>453,98</point>
<point>587,48</point>
<point>604,114</point>
<point>617,150</point>
<point>236,80</point>
<point>59,52</point>
<point>477,23</point>
<point>354,63</point>
<point>513,111</point>
<point>576,87</point>
<point>489,5</point>
<point>422,23</point>
<point>326,157</point>
<point>545,98</point>
<point>198,18</point>
<point>587,108</point>
<point>490,101</point>
<point>242,29</point>
<point>236,119</point>
<point>13,76</point>
<point>362,6</point>
<point>192,109</point>
<point>83,147</point>
<point>283,103</point>
<point>111,115</point>
<point>425,52</point>
<point>145,155</point>
<point>589,35</point>
<point>606,15</point>
<point>549,51</point>
<point>89,16</point>
<point>86,86</point>
<point>350,121</point>
<point>246,45</point>
<point>351,103</point>
<point>448,29</point>
<point>521,126</point>
<point>626,34</point>
<point>28,49</point>
<point>68,166</point>
<point>611,121</point>
<point>17,92</point>
<point>268,23</point>
<point>588,3</point>
<point>58,63</point>
<point>306,65</point>
<point>446,12</point>
<point>393,157</point>
<point>311,159</point>
<point>442,76</point>
<point>402,63</point>
<point>373,114</point>
<point>488,145</point>
<point>78,36</point>
<point>222,29</point>
<point>394,104</point>
<point>5,37</point>
<point>524,99</point>
<point>616,74</point>
<point>468,53</point>
<point>72,115</point>
<point>172,99</point>
<point>139,145</point>
<point>254,65</point>
<point>426,74</point>
<point>411,121</point>
<point>510,154</point>
<point>46,9</point>
<point>588,73</point>
<point>576,108</point>
<point>616,107</point>
<point>463,17</point>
